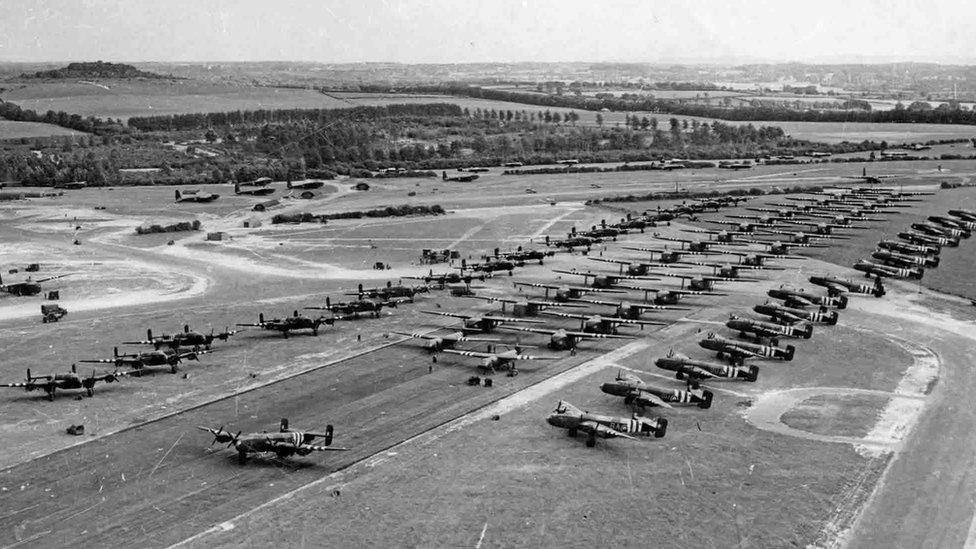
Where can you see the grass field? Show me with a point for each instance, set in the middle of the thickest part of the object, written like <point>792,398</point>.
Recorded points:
<point>126,98</point>
<point>123,99</point>
<point>719,476</point>
<point>10,129</point>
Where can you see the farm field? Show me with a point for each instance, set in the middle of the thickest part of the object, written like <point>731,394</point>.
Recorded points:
<point>849,402</point>
<point>124,99</point>
<point>10,129</point>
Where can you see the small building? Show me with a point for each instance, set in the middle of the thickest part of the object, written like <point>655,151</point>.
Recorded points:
<point>361,186</point>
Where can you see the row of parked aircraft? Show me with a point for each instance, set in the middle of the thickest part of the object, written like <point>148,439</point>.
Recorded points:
<point>790,312</point>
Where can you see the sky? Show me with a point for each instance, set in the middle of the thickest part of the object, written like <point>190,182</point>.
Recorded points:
<point>461,31</point>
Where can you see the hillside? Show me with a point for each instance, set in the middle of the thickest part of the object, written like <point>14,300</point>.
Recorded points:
<point>97,69</point>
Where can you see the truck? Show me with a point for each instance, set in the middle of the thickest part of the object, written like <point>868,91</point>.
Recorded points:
<point>52,312</point>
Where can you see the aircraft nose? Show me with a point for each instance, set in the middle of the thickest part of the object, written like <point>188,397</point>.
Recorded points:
<point>613,389</point>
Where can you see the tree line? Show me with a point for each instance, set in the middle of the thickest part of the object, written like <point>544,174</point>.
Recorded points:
<point>204,121</point>
<point>730,113</point>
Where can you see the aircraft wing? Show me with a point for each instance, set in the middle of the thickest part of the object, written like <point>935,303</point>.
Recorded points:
<point>415,335</point>
<point>537,285</point>
<point>533,357</point>
<point>533,330</point>
<point>476,354</point>
<point>319,448</point>
<point>599,302</point>
<point>104,360</point>
<point>617,320</point>
<point>20,384</point>
<point>566,315</point>
<point>493,299</point>
<point>591,335</point>
<point>552,304</point>
<point>52,278</point>
<point>602,430</point>
<point>512,319</point>
<point>628,377</point>
<point>698,372</point>
<point>609,260</point>
<point>108,377</point>
<point>443,313</point>
<point>650,399</point>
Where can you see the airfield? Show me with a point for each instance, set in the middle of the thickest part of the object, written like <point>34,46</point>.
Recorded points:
<point>864,440</point>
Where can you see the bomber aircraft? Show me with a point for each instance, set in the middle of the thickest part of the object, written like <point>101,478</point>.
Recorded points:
<point>798,298</point>
<point>352,309</point>
<point>684,367</point>
<point>141,361</point>
<point>566,416</point>
<point>790,315</point>
<point>837,286</point>
<point>738,351</point>
<point>61,382</point>
<point>291,323</point>
<point>186,338</point>
<point>635,391</point>
<point>769,330</point>
<point>285,443</point>
<point>877,270</point>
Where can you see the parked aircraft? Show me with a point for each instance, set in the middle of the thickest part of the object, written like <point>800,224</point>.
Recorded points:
<point>186,338</point>
<point>768,330</point>
<point>526,307</point>
<point>566,416</point>
<point>292,323</point>
<point>603,324</point>
<point>877,270</point>
<point>50,384</point>
<point>635,391</point>
<point>285,443</point>
<point>564,340</point>
<point>441,342</point>
<point>306,185</point>
<point>791,315</point>
<point>566,292</point>
<point>141,361</point>
<point>254,191</point>
<point>27,288</point>
<point>684,367</point>
<point>836,286</point>
<point>798,298</point>
<point>738,351</point>
<point>493,361</point>
<point>481,323</point>
<point>193,196</point>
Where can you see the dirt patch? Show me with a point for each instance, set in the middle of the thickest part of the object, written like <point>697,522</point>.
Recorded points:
<point>847,415</point>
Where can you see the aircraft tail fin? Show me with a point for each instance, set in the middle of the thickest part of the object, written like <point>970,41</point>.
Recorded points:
<point>283,427</point>
<point>706,401</point>
<point>790,351</point>
<point>328,436</point>
<point>753,373</point>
